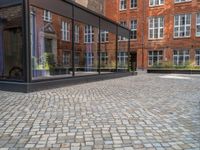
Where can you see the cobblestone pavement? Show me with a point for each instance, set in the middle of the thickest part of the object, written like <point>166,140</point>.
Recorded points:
<point>138,112</point>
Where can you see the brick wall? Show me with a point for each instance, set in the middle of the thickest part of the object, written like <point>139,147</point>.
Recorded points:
<point>142,13</point>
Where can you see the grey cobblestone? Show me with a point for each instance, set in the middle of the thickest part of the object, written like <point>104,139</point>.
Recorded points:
<point>150,112</point>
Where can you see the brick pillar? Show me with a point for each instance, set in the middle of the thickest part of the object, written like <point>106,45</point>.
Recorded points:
<point>192,56</point>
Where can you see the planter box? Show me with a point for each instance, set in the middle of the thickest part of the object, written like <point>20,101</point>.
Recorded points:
<point>175,71</point>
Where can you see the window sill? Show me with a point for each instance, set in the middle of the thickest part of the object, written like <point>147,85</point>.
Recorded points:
<point>122,40</point>
<point>65,40</point>
<point>134,8</point>
<point>158,39</point>
<point>179,38</point>
<point>89,42</point>
<point>122,10</point>
<point>176,3</point>
<point>133,40</point>
<point>156,6</point>
<point>49,21</point>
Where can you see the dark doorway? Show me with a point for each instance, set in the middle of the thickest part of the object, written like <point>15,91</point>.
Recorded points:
<point>48,45</point>
<point>133,59</point>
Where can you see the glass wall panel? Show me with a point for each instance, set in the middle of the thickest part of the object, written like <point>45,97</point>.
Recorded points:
<point>108,52</point>
<point>86,49</point>
<point>51,44</point>
<point>122,53</point>
<point>11,60</point>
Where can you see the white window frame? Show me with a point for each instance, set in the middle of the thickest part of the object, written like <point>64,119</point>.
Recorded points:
<point>104,55</point>
<point>133,26</point>
<point>89,58</point>
<point>160,28</point>
<point>122,5</point>
<point>47,16</point>
<point>133,2</point>
<point>157,55</point>
<point>89,34</point>
<point>152,3</point>
<point>65,30</point>
<point>185,54</point>
<point>198,24</point>
<point>181,1</point>
<point>197,57</point>
<point>77,58</point>
<point>66,58</point>
<point>76,32</point>
<point>104,36</point>
<point>179,26</point>
<point>122,59</point>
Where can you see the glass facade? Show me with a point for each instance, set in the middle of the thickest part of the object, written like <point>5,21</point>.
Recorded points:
<point>51,46</point>
<point>122,54</point>
<point>86,49</point>
<point>40,41</point>
<point>108,52</point>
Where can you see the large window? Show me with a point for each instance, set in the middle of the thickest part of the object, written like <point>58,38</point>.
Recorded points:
<point>11,57</point>
<point>89,34</point>
<point>156,27</point>
<point>180,1</point>
<point>104,58</point>
<point>77,30</point>
<point>66,58</point>
<point>133,3</point>
<point>181,57</point>
<point>156,2</point>
<point>65,31</point>
<point>86,50</point>
<point>182,25</point>
<point>122,4</point>
<point>155,57</point>
<point>197,57</point>
<point>104,36</point>
<point>108,52</point>
<point>133,29</point>
<point>198,25</point>
<point>122,60</point>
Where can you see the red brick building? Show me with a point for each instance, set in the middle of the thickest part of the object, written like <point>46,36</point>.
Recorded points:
<point>163,31</point>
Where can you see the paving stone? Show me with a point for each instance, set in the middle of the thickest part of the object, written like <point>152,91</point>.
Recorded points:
<point>148,111</point>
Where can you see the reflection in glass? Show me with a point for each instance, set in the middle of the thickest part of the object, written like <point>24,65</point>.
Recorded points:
<point>122,54</point>
<point>11,67</point>
<point>86,49</point>
<point>108,52</point>
<point>51,44</point>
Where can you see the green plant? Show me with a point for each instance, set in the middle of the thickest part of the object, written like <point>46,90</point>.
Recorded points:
<point>189,65</point>
<point>50,60</point>
<point>167,64</point>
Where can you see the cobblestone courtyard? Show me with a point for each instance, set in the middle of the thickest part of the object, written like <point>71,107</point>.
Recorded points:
<point>136,112</point>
